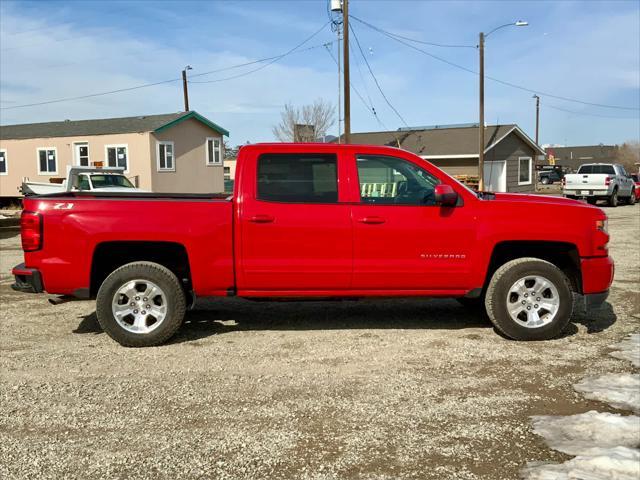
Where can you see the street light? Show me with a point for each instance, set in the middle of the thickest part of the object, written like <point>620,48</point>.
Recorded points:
<point>519,23</point>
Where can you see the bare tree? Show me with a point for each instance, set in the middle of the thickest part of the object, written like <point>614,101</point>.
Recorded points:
<point>628,154</point>
<point>297,122</point>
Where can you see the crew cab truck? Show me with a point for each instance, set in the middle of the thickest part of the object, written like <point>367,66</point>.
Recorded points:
<point>600,181</point>
<point>317,221</point>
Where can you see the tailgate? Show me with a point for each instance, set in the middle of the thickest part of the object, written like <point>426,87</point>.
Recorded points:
<point>586,181</point>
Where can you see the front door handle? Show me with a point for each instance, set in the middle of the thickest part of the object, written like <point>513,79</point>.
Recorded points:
<point>372,220</point>
<point>262,219</point>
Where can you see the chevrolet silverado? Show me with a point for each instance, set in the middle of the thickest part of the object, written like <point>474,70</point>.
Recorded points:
<point>317,221</point>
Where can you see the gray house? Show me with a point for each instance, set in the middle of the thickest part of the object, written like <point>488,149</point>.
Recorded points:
<point>510,154</point>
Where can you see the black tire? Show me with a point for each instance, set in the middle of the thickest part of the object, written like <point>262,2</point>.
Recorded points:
<point>498,291</point>
<point>171,289</point>
<point>613,199</point>
<point>632,198</point>
<point>544,180</point>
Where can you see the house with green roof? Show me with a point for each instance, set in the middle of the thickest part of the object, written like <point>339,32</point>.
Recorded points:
<point>174,152</point>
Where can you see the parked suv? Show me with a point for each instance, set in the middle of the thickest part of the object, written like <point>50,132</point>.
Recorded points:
<point>600,181</point>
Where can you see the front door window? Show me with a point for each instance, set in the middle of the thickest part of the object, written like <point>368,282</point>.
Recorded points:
<point>393,181</point>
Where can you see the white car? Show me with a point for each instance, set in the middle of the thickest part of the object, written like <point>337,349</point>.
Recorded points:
<point>600,181</point>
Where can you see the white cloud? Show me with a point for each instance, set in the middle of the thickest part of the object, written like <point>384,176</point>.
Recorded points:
<point>59,61</point>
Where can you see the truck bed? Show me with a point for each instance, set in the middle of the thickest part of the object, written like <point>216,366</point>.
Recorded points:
<point>81,226</point>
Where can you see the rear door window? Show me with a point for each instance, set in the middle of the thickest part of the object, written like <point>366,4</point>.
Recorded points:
<point>298,178</point>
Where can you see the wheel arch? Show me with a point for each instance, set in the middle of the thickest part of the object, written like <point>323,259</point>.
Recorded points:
<point>563,255</point>
<point>108,256</point>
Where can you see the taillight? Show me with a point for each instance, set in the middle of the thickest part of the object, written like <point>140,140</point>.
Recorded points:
<point>31,231</point>
<point>607,181</point>
<point>564,181</point>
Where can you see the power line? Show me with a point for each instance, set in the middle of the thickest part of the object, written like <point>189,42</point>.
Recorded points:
<point>81,97</point>
<point>375,79</point>
<point>371,108</point>
<point>146,85</point>
<point>271,62</point>
<point>423,42</point>
<point>497,80</point>
<point>364,83</point>
<point>588,114</point>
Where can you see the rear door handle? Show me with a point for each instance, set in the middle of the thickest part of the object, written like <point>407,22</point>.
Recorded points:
<point>372,220</point>
<point>262,219</point>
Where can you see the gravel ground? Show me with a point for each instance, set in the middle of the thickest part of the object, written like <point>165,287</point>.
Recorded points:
<point>374,389</point>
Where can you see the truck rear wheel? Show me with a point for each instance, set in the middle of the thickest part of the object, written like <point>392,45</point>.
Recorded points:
<point>140,304</point>
<point>613,199</point>
<point>529,299</point>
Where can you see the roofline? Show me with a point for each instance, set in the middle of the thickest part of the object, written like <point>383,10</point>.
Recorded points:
<point>196,116</point>
<point>428,129</point>
<point>522,135</point>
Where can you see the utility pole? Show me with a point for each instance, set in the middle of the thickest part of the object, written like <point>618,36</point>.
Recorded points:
<point>537,119</point>
<point>346,81</point>
<point>519,23</point>
<point>185,88</point>
<point>481,119</point>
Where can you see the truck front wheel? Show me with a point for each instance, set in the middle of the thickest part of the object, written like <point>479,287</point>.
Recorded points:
<point>529,299</point>
<point>140,304</point>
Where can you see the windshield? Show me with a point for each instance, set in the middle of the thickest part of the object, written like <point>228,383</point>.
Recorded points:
<point>104,181</point>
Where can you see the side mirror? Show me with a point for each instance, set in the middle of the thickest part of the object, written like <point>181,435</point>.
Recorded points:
<point>445,195</point>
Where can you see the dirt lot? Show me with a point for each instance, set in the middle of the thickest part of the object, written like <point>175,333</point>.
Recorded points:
<point>376,389</point>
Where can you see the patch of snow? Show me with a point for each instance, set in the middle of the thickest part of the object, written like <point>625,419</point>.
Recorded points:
<point>619,463</point>
<point>3,216</point>
<point>587,432</point>
<point>620,390</point>
<point>628,349</point>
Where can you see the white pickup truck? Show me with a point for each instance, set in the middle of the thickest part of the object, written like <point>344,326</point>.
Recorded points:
<point>83,179</point>
<point>600,181</point>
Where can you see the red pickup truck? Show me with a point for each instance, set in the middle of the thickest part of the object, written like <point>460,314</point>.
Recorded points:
<point>317,221</point>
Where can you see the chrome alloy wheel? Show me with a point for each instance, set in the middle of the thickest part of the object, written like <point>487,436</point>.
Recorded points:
<point>533,301</point>
<point>139,306</point>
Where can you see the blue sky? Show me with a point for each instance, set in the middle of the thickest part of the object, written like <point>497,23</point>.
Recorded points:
<point>588,51</point>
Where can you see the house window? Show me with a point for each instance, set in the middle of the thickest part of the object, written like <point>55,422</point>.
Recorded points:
<point>47,161</point>
<point>117,156</point>
<point>82,153</point>
<point>3,162</point>
<point>214,151</point>
<point>524,171</point>
<point>227,173</point>
<point>165,158</point>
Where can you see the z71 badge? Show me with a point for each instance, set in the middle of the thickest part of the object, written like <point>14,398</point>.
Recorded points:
<point>63,206</point>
